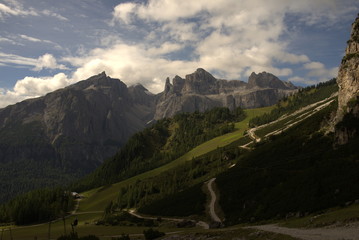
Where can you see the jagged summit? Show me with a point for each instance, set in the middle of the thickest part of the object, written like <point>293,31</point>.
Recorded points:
<point>267,80</point>
<point>200,91</point>
<point>201,75</point>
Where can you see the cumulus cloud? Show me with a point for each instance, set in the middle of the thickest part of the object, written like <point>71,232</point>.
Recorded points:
<point>124,12</point>
<point>232,37</point>
<point>45,61</point>
<point>31,87</point>
<point>132,64</point>
<point>48,61</point>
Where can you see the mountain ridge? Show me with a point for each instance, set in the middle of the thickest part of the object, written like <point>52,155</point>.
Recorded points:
<point>76,128</point>
<point>201,91</point>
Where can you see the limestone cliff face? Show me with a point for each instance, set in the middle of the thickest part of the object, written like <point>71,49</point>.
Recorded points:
<point>348,75</point>
<point>347,116</point>
<point>201,91</point>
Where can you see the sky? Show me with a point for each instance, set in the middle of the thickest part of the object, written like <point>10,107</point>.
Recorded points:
<point>48,44</point>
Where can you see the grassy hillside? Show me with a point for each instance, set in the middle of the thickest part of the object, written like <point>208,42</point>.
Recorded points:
<point>96,199</point>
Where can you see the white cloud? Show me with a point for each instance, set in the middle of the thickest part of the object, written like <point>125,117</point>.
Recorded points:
<point>315,72</point>
<point>317,69</point>
<point>37,40</point>
<point>132,64</point>
<point>45,61</point>
<point>31,87</point>
<point>165,48</point>
<point>8,40</point>
<point>6,10</point>
<point>124,12</point>
<point>16,60</point>
<point>233,37</point>
<point>55,15</point>
<point>15,8</point>
<point>48,61</point>
<point>31,39</point>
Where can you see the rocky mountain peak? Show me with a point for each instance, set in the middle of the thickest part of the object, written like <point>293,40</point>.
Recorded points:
<point>200,91</point>
<point>348,75</point>
<point>267,80</point>
<point>201,75</point>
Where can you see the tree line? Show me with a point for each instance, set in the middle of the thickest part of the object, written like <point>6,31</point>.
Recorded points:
<point>37,206</point>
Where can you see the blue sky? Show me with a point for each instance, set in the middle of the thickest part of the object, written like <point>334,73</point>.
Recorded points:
<point>49,44</point>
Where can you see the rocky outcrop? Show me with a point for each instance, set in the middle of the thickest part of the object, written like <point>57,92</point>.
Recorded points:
<point>348,82</point>
<point>348,75</point>
<point>200,91</point>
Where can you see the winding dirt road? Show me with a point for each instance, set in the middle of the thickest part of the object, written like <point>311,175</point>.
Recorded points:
<point>199,223</point>
<point>301,116</point>
<point>212,211</point>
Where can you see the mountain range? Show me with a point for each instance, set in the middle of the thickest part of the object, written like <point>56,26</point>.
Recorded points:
<point>201,91</point>
<point>74,129</point>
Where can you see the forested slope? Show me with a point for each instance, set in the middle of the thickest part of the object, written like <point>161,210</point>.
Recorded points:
<point>165,141</point>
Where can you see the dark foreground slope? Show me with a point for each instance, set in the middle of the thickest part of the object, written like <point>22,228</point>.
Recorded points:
<point>294,173</point>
